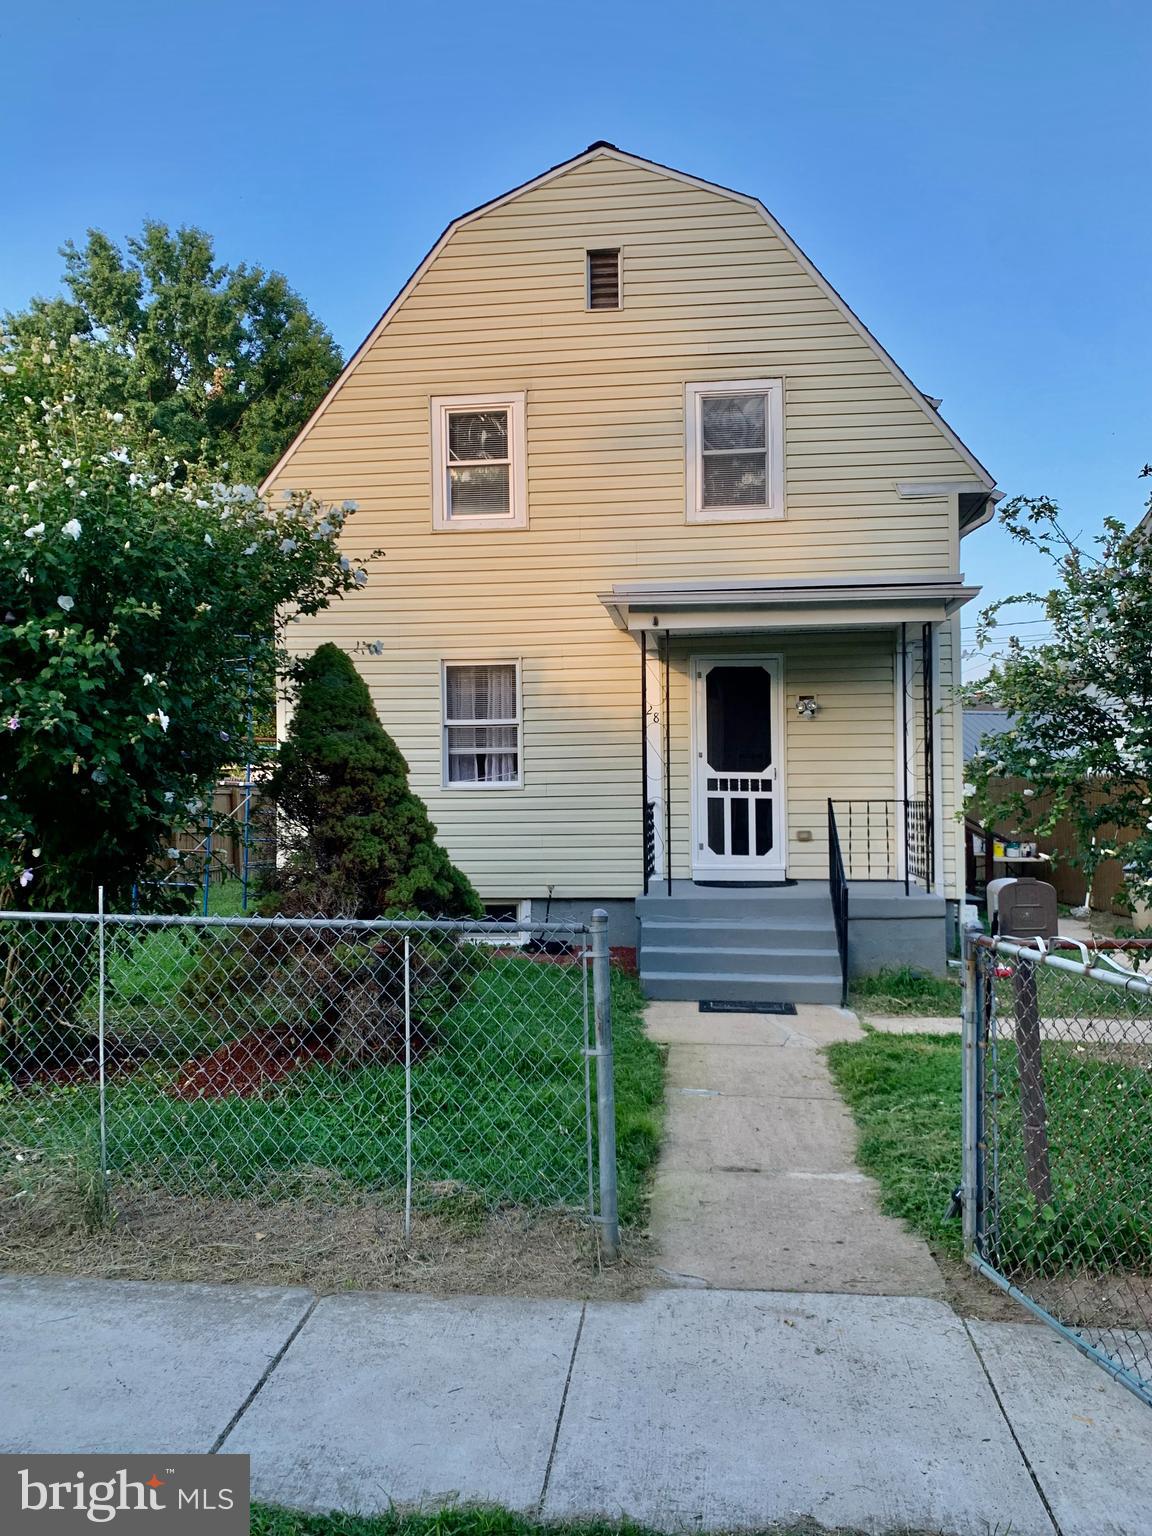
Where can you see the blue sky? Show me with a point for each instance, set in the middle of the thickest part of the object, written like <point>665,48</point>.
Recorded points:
<point>973,177</point>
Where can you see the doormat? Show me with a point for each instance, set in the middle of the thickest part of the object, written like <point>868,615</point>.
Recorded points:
<point>724,1007</point>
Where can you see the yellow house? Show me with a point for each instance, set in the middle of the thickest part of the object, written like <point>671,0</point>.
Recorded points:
<point>668,619</point>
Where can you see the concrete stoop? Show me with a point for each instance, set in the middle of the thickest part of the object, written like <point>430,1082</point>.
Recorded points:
<point>771,944</point>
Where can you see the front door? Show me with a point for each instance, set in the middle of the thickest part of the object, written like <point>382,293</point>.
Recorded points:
<point>737,800</point>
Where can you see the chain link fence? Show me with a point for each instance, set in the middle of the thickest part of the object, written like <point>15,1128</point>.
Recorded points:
<point>1058,1140</point>
<point>439,1064</point>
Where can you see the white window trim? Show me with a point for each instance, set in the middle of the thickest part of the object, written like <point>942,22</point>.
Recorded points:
<point>515,938</point>
<point>694,394</point>
<point>474,786</point>
<point>517,514</point>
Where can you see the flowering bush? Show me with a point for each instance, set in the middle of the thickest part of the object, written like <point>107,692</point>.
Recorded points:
<point>142,608</point>
<point>1081,736</point>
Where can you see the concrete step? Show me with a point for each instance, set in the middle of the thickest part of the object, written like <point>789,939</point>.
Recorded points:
<point>730,962</point>
<point>734,906</point>
<point>774,935</point>
<point>703,986</point>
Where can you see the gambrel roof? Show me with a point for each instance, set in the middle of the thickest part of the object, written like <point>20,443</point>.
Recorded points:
<point>980,492</point>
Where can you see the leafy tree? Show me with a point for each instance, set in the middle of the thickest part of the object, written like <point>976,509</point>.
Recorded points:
<point>1081,737</point>
<point>139,616</point>
<point>224,363</point>
<point>361,842</point>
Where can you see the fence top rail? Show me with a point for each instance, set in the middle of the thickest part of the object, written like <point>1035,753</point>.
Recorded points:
<point>1041,952</point>
<point>490,928</point>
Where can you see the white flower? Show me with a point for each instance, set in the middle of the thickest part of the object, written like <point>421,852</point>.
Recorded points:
<point>287,546</point>
<point>33,485</point>
<point>149,677</point>
<point>208,540</point>
<point>361,578</point>
<point>323,529</point>
<point>8,368</point>
<point>67,603</point>
<point>117,417</point>
<point>169,796</point>
<point>71,529</point>
<point>119,455</point>
<point>251,550</point>
<point>34,532</point>
<point>160,718</point>
<point>345,563</point>
<point>349,506</point>
<point>26,877</point>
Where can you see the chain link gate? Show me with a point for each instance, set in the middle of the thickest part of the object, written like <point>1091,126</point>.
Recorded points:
<point>1057,1192</point>
<point>441,1064</point>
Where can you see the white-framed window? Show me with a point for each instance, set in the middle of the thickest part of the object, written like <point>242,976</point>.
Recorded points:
<point>478,462</point>
<point>734,436</point>
<point>511,913</point>
<point>481,725</point>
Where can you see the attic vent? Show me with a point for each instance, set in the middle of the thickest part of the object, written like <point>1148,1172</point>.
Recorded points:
<point>604,279</point>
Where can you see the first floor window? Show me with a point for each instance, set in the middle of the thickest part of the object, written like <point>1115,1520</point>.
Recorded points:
<point>478,462</point>
<point>481,724</point>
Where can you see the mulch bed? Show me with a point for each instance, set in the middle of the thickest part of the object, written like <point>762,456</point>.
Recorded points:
<point>245,1068</point>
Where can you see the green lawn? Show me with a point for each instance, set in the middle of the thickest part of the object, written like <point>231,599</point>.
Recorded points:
<point>1062,995</point>
<point>498,1105</point>
<point>905,1094</point>
<point>270,1521</point>
<point>906,991</point>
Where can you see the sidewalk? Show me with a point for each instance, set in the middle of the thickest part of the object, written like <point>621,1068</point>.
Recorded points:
<point>704,1408</point>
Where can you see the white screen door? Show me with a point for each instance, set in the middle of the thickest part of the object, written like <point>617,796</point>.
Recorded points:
<point>737,799</point>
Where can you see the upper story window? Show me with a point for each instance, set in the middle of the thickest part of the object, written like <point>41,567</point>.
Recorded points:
<point>734,433</point>
<point>604,279</point>
<point>481,725</point>
<point>478,462</point>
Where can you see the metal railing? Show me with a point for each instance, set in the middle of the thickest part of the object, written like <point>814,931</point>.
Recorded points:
<point>1057,1125</point>
<point>237,1058</point>
<point>886,840</point>
<point>838,890</point>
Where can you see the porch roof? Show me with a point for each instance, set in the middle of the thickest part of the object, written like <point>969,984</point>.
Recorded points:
<point>750,604</point>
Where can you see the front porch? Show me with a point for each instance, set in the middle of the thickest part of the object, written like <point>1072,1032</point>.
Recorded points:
<point>800,782</point>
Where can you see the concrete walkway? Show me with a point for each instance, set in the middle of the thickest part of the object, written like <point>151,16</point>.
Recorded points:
<point>707,1409</point>
<point>758,1186</point>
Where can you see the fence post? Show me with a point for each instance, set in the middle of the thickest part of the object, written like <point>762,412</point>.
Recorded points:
<point>100,1037</point>
<point>971,1192</point>
<point>1030,1066</point>
<point>407,1086</point>
<point>605,1084</point>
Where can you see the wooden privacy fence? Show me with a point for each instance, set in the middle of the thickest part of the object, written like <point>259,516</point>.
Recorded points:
<point>1060,845</point>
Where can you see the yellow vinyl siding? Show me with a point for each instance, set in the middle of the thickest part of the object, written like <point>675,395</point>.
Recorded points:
<point>709,292</point>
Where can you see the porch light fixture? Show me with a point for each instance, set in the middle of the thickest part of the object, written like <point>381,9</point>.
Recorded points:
<point>807,706</point>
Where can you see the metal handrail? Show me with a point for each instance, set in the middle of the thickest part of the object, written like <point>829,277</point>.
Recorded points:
<point>838,890</point>
<point>887,840</point>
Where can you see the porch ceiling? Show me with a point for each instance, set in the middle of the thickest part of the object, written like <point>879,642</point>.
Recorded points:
<point>710,607</point>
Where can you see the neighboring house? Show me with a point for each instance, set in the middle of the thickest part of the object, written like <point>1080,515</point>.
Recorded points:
<point>672,562</point>
<point>983,725</point>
